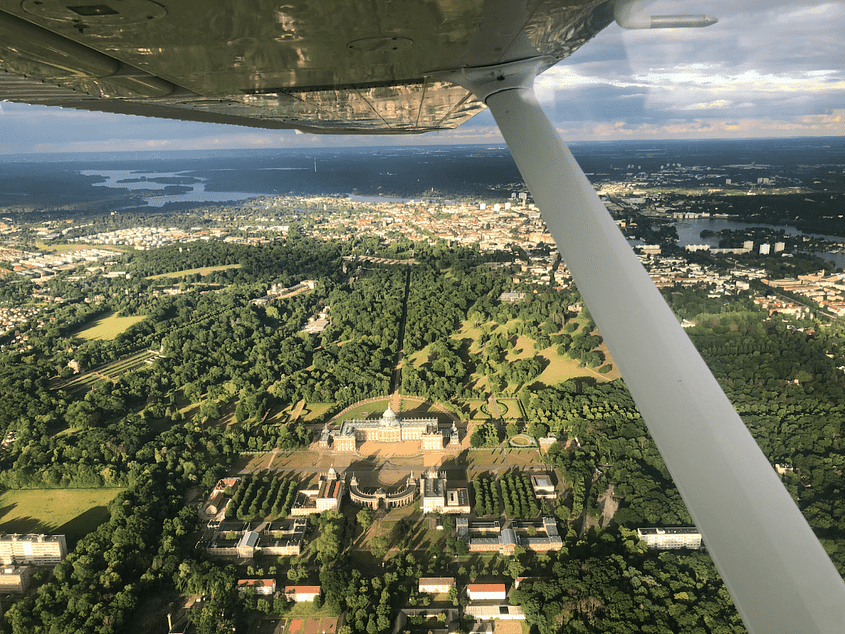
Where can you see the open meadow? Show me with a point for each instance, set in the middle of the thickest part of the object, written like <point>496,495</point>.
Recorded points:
<point>205,270</point>
<point>70,512</point>
<point>108,326</point>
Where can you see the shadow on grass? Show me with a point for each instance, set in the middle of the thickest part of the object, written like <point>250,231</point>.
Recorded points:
<point>82,524</point>
<point>419,410</point>
<point>5,511</point>
<point>23,524</point>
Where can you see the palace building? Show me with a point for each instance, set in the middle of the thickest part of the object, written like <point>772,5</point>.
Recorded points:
<point>388,429</point>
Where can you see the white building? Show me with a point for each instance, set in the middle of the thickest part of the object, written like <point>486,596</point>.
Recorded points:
<point>436,585</point>
<point>264,587</point>
<point>669,538</point>
<point>486,612</point>
<point>438,498</point>
<point>543,486</point>
<point>302,594</point>
<point>42,550</point>
<point>326,496</point>
<point>246,545</point>
<point>486,591</point>
<point>15,579</point>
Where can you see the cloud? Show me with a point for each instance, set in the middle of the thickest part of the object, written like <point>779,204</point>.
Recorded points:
<point>774,60</point>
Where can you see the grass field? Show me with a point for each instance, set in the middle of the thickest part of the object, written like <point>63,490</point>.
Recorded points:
<point>314,410</point>
<point>475,411</point>
<point>557,369</point>
<point>108,327</point>
<point>509,409</point>
<point>373,409</point>
<point>560,369</point>
<point>64,248</point>
<point>70,512</point>
<point>205,270</point>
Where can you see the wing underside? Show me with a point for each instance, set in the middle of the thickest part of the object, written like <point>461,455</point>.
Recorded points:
<point>334,67</point>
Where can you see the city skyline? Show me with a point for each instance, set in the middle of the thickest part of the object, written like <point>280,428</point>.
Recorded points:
<point>767,70</point>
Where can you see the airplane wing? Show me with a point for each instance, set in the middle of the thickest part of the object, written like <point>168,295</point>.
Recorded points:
<point>332,67</point>
<point>408,66</point>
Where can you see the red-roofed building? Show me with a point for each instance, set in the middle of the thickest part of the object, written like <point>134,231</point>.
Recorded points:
<point>232,483</point>
<point>261,586</point>
<point>520,580</point>
<point>302,594</point>
<point>483,591</point>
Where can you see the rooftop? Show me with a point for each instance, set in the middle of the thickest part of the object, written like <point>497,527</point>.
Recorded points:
<point>485,587</point>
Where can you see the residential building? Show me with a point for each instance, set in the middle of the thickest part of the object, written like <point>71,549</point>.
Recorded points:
<point>486,591</point>
<point>42,550</point>
<point>302,594</point>
<point>436,585</point>
<point>216,503</point>
<point>265,587</point>
<point>670,538</point>
<point>15,578</point>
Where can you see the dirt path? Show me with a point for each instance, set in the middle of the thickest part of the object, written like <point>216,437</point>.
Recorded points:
<point>493,406</point>
<point>609,504</point>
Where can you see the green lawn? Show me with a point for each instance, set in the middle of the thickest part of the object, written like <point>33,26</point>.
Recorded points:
<point>419,358</point>
<point>372,410</point>
<point>109,326</point>
<point>205,270</point>
<point>475,411</point>
<point>509,409</point>
<point>70,512</point>
<point>314,410</point>
<point>558,369</point>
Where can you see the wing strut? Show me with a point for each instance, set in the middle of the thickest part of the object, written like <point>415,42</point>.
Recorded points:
<point>777,572</point>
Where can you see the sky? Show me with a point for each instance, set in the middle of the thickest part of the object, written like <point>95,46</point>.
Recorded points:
<point>769,68</point>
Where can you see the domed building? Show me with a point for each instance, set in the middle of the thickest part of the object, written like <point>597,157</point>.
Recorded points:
<point>390,428</point>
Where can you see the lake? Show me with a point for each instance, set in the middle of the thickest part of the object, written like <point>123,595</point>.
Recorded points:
<point>689,232</point>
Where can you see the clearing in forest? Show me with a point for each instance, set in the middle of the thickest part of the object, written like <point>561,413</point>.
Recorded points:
<point>70,512</point>
<point>109,326</point>
<point>204,270</point>
<point>556,368</point>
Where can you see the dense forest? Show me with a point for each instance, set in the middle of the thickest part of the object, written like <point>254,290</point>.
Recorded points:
<point>214,348</point>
